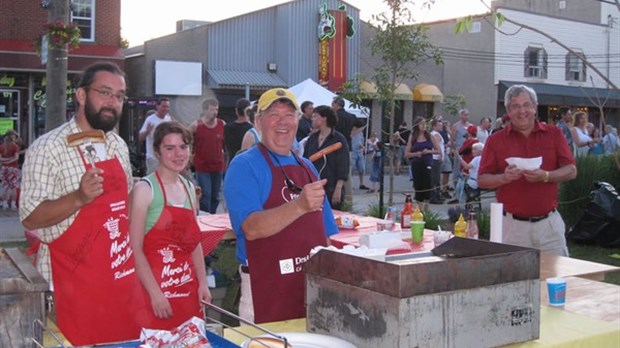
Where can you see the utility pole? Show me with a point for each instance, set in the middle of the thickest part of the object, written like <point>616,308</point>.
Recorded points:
<point>56,73</point>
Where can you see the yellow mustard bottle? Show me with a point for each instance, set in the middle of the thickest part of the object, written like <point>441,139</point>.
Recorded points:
<point>460,227</point>
<point>417,214</point>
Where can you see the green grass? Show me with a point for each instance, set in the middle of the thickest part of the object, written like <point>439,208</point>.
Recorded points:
<point>597,254</point>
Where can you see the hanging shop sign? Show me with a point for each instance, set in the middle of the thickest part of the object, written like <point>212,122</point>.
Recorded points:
<point>335,26</point>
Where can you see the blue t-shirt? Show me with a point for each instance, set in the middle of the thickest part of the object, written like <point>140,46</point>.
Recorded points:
<point>247,186</point>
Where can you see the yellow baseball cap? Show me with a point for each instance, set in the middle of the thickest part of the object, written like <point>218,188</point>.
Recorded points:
<point>273,95</point>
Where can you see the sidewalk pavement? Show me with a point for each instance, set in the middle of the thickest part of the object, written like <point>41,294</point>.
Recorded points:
<point>12,230</point>
<point>402,186</point>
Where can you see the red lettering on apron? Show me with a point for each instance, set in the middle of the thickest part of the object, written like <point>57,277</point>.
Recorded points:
<point>168,247</point>
<point>93,268</point>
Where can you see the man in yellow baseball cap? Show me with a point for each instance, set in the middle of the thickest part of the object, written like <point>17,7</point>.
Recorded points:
<point>279,212</point>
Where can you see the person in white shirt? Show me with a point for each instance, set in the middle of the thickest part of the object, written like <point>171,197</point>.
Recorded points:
<point>148,129</point>
<point>611,142</point>
<point>472,191</point>
<point>484,129</point>
<point>579,131</point>
<point>438,158</point>
<point>472,180</point>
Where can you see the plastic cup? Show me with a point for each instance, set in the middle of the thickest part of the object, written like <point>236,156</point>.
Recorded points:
<point>557,291</point>
<point>417,231</point>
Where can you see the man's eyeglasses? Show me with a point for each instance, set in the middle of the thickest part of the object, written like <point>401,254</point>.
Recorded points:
<point>120,97</point>
<point>526,106</point>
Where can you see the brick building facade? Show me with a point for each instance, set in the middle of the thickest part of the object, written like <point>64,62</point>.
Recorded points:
<point>22,75</point>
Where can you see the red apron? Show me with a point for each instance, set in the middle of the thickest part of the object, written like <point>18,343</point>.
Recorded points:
<point>93,268</point>
<point>278,282</point>
<point>168,247</point>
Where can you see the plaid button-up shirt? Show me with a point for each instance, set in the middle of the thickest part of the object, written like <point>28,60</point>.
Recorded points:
<point>53,169</point>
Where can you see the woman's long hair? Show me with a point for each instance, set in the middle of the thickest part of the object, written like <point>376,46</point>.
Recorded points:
<point>415,131</point>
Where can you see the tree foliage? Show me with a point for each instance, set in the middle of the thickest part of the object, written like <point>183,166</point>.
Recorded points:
<point>401,46</point>
<point>453,103</point>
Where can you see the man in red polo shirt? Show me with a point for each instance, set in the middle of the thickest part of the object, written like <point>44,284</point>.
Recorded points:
<point>530,197</point>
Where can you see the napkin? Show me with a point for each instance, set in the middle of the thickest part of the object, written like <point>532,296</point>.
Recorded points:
<point>525,163</point>
<point>362,251</point>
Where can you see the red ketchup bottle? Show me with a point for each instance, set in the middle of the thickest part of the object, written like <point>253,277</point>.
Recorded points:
<point>405,214</point>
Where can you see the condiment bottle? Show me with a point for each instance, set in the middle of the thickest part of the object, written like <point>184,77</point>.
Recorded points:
<point>417,214</point>
<point>460,227</point>
<point>472,226</point>
<point>389,216</point>
<point>405,214</point>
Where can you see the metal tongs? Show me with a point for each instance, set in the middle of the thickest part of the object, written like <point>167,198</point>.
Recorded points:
<point>236,317</point>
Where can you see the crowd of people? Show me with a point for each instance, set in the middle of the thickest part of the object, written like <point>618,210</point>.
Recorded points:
<point>584,137</point>
<point>283,166</point>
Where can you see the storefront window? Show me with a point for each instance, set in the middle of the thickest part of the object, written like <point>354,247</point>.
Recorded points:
<point>40,102</point>
<point>9,110</point>
<point>83,15</point>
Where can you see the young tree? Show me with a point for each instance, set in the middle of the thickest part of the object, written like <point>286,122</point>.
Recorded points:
<point>401,47</point>
<point>453,103</point>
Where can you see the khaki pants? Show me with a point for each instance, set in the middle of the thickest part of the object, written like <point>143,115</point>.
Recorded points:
<point>545,235</point>
<point>246,305</point>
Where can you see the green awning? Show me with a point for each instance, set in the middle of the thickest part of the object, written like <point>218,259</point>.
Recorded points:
<point>567,95</point>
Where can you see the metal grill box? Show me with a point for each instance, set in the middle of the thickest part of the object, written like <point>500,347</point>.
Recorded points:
<point>22,300</point>
<point>464,293</point>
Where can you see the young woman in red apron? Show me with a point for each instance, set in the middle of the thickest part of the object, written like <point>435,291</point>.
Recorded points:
<point>169,256</point>
<point>275,263</point>
<point>93,268</point>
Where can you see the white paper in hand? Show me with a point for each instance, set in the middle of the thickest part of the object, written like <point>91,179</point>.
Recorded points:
<point>525,163</point>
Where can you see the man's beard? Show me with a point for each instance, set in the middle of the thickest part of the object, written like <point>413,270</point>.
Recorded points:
<point>98,121</point>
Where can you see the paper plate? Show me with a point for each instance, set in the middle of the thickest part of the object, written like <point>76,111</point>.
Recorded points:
<point>525,163</point>
<point>309,340</point>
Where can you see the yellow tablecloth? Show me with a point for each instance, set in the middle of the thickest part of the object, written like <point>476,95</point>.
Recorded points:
<point>558,328</point>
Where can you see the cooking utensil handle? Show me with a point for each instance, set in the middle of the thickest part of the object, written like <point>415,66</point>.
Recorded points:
<point>234,316</point>
<point>44,328</point>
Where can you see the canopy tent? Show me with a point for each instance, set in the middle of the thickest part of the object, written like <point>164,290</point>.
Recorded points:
<point>319,95</point>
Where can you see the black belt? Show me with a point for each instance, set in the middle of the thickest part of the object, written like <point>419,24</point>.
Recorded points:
<point>245,269</point>
<point>531,219</point>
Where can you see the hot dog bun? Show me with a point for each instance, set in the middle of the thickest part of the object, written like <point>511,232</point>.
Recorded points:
<point>95,136</point>
<point>263,342</point>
